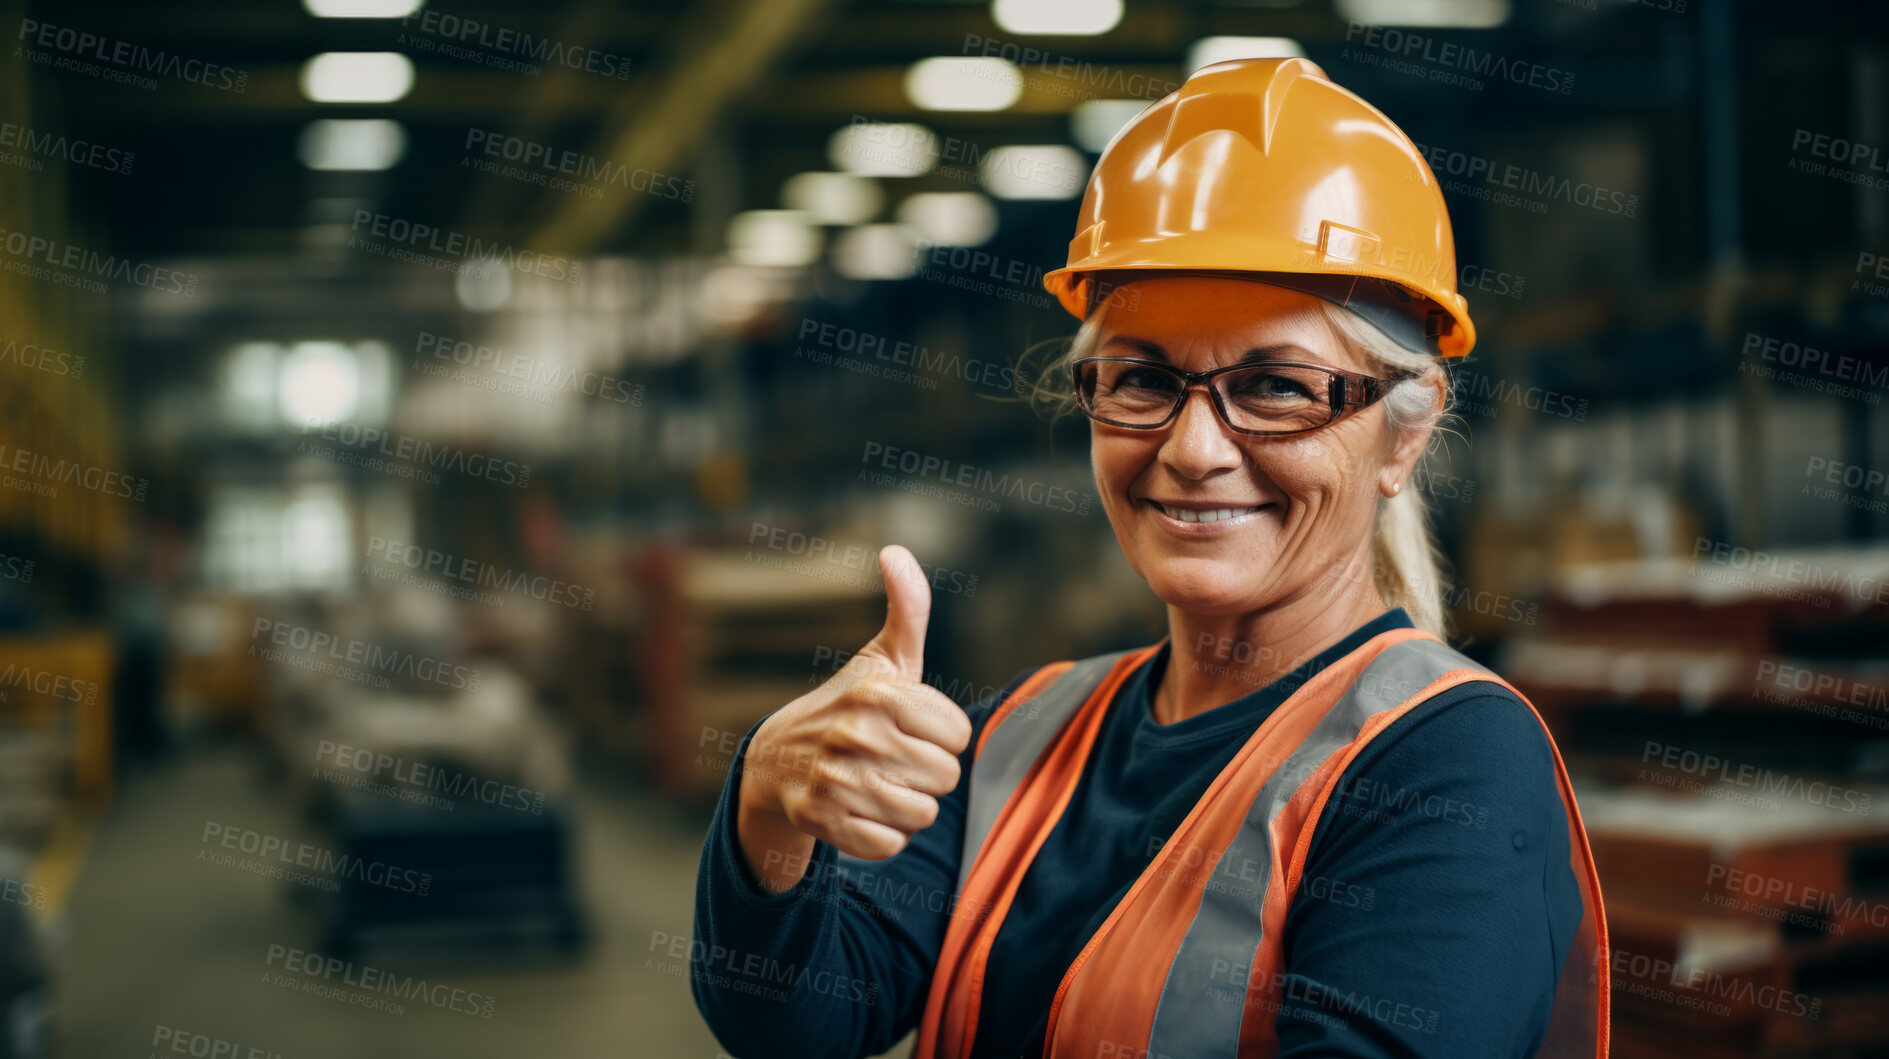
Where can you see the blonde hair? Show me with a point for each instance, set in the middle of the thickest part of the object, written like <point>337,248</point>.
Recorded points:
<point>1406,567</point>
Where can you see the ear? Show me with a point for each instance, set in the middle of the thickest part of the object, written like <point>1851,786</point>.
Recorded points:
<point>1402,459</point>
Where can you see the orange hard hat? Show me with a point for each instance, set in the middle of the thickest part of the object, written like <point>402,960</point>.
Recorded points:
<point>1266,168</point>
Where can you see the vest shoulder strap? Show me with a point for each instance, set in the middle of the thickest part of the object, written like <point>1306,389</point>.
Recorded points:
<point>1018,731</point>
<point>1023,726</point>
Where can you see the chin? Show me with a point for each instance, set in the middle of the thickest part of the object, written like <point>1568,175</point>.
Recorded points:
<point>1202,586</point>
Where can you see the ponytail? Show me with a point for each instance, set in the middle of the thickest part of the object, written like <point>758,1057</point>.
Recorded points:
<point>1405,562</point>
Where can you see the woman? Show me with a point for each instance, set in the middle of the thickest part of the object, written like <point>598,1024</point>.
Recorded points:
<point>1299,824</point>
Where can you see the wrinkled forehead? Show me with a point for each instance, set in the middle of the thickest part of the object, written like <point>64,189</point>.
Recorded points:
<point>1201,322</point>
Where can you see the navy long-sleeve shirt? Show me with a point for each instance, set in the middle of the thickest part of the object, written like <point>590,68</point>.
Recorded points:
<point>1435,909</point>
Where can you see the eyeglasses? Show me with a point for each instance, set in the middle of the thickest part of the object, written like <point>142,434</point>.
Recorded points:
<point>1267,398</point>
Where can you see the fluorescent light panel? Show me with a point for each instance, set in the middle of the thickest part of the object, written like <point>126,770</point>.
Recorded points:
<point>833,198</point>
<point>362,8</point>
<point>1045,171</point>
<point>1095,122</point>
<point>950,218</point>
<point>1067,18</point>
<point>876,251</point>
<point>952,83</point>
<point>1209,50</point>
<point>357,77</point>
<point>883,148</point>
<point>1453,14</point>
<point>773,237</point>
<point>358,145</point>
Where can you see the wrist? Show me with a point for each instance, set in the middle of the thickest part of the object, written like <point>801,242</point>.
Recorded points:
<point>776,852</point>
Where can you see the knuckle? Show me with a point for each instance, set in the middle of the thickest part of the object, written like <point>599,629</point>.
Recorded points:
<point>849,735</point>
<point>873,691</point>
<point>878,843</point>
<point>960,733</point>
<point>926,810</point>
<point>803,813</point>
<point>823,780</point>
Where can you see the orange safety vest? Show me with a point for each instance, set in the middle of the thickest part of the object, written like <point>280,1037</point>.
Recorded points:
<point>1185,968</point>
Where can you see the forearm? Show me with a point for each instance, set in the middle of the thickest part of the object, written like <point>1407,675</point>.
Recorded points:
<point>800,971</point>
<point>856,939</point>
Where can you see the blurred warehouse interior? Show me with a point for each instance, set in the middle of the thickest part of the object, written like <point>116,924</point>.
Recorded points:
<point>434,434</point>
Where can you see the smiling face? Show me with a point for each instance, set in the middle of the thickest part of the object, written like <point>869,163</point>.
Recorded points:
<point>1275,514</point>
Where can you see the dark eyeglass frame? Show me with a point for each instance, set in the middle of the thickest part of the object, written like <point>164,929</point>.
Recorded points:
<point>1368,390</point>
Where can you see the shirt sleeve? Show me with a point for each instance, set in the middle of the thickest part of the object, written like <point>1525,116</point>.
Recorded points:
<point>839,965</point>
<point>1437,901</point>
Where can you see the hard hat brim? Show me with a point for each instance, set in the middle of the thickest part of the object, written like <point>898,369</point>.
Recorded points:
<point>1411,318</point>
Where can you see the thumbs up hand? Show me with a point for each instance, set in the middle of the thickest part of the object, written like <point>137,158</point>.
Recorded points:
<point>861,761</point>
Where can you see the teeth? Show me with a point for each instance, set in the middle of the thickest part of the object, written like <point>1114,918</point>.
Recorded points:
<point>1190,515</point>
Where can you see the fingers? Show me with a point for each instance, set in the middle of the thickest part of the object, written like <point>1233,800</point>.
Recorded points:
<point>867,839</point>
<point>896,788</point>
<point>928,714</point>
<point>919,710</point>
<point>928,768</point>
<point>868,813</point>
<point>886,801</point>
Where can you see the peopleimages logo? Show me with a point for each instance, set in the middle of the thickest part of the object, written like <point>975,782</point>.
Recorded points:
<point>410,778</point>
<point>924,465</point>
<point>320,646</point>
<point>461,30</point>
<point>55,145</point>
<point>17,676</point>
<point>79,44</point>
<point>319,969</point>
<point>1459,57</point>
<point>828,338</point>
<point>39,358</point>
<point>1867,164</point>
<point>330,865</point>
<point>1069,76</point>
<point>45,475</point>
<point>1713,768</point>
<point>577,165</point>
<point>174,1041</point>
<point>534,373</point>
<point>429,455</point>
<point>1507,184</point>
<point>755,973</point>
<point>77,265</point>
<point>18,892</point>
<point>469,249</point>
<point>485,575</point>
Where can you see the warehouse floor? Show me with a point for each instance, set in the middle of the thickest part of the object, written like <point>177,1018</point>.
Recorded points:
<point>158,941</point>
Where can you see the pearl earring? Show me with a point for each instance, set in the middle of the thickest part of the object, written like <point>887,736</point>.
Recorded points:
<point>1395,486</point>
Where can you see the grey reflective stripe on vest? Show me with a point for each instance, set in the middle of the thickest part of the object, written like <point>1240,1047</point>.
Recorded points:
<point>1199,1012</point>
<point>1016,744</point>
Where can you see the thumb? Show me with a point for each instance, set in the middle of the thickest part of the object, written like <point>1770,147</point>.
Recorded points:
<point>901,643</point>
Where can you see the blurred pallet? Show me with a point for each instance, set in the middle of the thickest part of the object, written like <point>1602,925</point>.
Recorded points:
<point>1742,933</point>
<point>1739,989</point>
<point>213,678</point>
<point>600,684</point>
<point>1673,852</point>
<point>60,685</point>
<point>1629,670</point>
<point>35,784</point>
<point>480,877</point>
<point>731,636</point>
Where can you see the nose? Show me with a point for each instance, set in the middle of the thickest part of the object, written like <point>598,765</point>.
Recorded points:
<point>1198,443</point>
